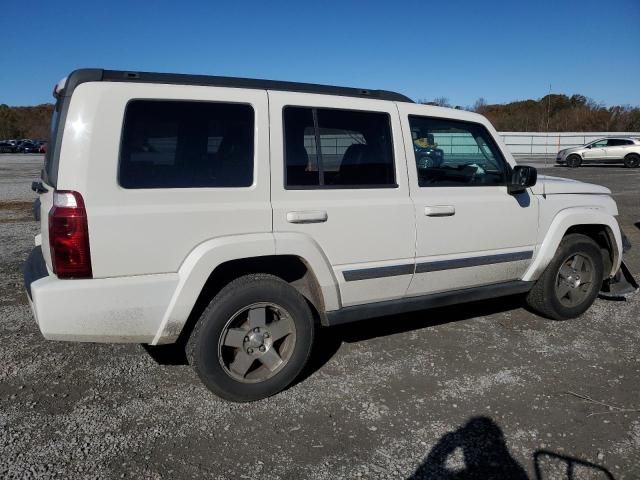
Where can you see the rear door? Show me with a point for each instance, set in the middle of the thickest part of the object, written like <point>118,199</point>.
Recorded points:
<point>338,178</point>
<point>617,148</point>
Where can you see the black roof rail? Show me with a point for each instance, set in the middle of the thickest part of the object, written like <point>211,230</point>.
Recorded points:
<point>95,75</point>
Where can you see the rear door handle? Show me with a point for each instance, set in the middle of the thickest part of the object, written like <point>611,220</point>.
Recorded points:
<point>315,216</point>
<point>439,210</point>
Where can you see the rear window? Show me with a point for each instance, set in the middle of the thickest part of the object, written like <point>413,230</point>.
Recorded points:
<point>51,157</point>
<point>184,144</point>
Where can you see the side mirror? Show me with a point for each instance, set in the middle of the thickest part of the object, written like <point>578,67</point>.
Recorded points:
<point>522,177</point>
<point>588,146</point>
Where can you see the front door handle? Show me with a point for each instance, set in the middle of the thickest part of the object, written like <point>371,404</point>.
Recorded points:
<point>439,210</point>
<point>315,216</point>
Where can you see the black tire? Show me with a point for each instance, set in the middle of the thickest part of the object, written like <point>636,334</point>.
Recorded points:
<point>632,160</point>
<point>545,298</point>
<point>574,161</point>
<point>204,344</point>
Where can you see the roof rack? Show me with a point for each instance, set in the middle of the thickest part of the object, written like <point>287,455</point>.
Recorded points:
<point>96,75</point>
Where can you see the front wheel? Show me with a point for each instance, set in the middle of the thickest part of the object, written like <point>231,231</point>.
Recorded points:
<point>571,281</point>
<point>253,339</point>
<point>574,161</point>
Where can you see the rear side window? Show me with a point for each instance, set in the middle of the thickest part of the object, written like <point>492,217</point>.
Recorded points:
<point>331,148</point>
<point>618,142</point>
<point>176,144</point>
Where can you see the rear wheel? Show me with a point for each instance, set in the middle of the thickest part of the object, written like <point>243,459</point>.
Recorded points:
<point>632,160</point>
<point>253,339</point>
<point>574,161</point>
<point>571,281</point>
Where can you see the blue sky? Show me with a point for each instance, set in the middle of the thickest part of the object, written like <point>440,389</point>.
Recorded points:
<point>461,50</point>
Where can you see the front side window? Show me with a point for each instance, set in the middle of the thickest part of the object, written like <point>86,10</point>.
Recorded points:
<point>452,153</point>
<point>331,148</point>
<point>599,143</point>
<point>182,144</point>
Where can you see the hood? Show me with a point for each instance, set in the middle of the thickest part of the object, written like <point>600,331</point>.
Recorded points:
<point>556,185</point>
<point>566,151</point>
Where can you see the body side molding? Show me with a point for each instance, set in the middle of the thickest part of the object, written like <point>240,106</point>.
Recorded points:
<point>434,266</point>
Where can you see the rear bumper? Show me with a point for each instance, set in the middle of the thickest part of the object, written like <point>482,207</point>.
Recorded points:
<point>110,310</point>
<point>34,269</point>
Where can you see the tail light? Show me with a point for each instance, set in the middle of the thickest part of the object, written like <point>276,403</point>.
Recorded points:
<point>69,236</point>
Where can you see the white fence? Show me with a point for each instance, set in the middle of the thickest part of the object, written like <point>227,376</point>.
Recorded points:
<point>519,143</point>
<point>542,143</point>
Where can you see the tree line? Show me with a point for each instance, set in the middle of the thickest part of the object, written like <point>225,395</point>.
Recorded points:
<point>554,113</point>
<point>25,122</point>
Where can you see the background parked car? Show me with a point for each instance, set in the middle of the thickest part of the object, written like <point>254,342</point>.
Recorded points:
<point>28,146</point>
<point>6,147</point>
<point>625,150</point>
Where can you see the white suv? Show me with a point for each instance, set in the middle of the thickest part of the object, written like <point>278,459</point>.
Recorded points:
<point>238,216</point>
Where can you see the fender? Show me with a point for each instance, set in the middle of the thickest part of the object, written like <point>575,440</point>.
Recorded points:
<point>202,260</point>
<point>565,219</point>
<point>196,269</point>
<point>305,247</point>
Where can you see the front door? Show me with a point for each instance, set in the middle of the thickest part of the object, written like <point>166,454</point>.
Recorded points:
<point>596,152</point>
<point>338,179</point>
<point>470,231</point>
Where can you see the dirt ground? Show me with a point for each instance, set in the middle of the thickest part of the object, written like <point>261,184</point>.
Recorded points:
<point>486,389</point>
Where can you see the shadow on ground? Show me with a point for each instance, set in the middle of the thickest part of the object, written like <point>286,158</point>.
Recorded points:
<point>329,340</point>
<point>483,455</point>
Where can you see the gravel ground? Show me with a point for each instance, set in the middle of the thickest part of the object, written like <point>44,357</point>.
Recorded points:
<point>481,389</point>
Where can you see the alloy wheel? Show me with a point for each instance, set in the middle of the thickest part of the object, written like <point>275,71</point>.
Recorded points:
<point>574,280</point>
<point>257,342</point>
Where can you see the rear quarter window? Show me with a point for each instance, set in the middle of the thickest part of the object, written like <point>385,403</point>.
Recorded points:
<point>186,144</point>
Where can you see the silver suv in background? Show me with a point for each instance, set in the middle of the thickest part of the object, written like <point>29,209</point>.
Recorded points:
<point>625,150</point>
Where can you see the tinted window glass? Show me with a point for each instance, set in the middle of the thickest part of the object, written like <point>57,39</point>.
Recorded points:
<point>50,157</point>
<point>301,153</point>
<point>599,144</point>
<point>616,142</point>
<point>334,148</point>
<point>451,153</point>
<point>174,144</point>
